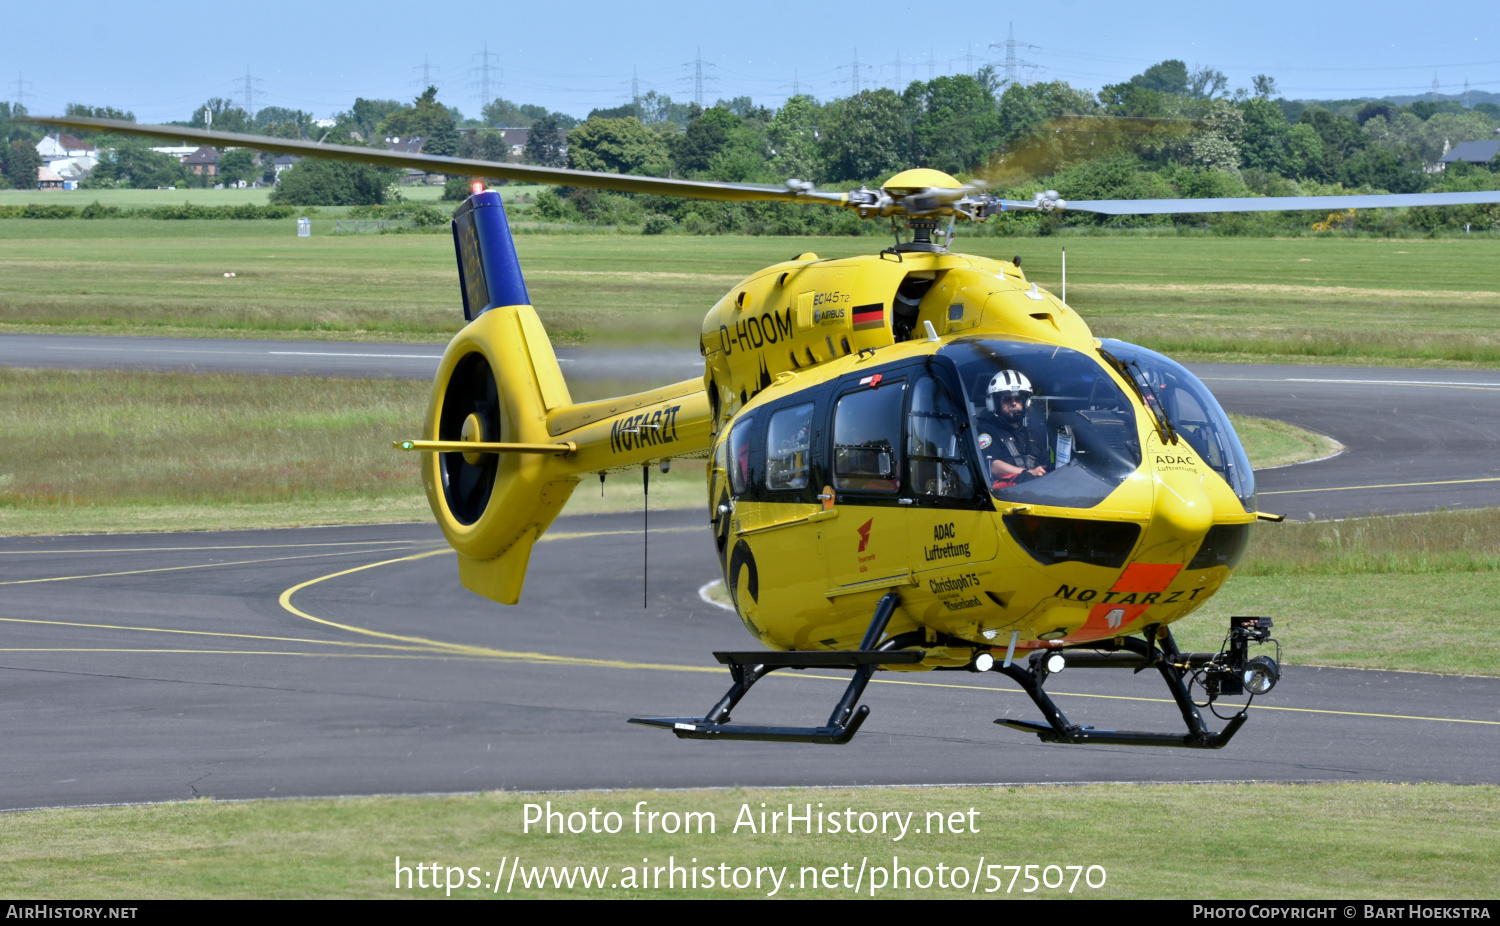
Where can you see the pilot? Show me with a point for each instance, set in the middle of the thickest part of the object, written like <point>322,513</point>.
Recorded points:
<point>1014,453</point>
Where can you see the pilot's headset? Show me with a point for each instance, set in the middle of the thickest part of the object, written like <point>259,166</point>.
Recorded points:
<point>1007,382</point>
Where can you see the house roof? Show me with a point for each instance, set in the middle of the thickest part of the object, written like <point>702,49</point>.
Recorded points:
<point>408,145</point>
<point>204,155</point>
<point>47,175</point>
<point>74,143</point>
<point>1475,152</point>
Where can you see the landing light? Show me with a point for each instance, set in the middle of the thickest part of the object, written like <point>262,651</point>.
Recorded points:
<point>1056,663</point>
<point>1261,675</point>
<point>984,662</point>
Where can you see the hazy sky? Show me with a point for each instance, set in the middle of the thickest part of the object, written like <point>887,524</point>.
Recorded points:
<point>163,60</point>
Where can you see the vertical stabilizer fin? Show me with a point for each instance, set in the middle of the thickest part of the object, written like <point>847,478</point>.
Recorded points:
<point>489,272</point>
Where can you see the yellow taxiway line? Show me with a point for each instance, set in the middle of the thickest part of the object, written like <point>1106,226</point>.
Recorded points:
<point>543,658</point>
<point>1391,485</point>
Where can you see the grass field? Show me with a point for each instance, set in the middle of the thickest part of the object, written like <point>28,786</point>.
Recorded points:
<point>102,451</point>
<point>1372,301</point>
<point>1250,841</point>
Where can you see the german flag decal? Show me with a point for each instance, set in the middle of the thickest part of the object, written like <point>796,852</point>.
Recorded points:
<point>869,316</point>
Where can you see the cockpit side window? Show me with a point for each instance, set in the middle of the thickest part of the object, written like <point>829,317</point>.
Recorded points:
<point>867,438</point>
<point>1193,413</point>
<point>788,447</point>
<point>739,456</point>
<point>935,462</point>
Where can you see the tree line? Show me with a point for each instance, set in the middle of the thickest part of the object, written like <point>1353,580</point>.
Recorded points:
<point>1167,132</point>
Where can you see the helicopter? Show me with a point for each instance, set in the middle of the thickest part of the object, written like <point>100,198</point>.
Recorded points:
<point>918,460</point>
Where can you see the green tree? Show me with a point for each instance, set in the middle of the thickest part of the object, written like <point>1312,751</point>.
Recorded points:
<point>484,145</point>
<point>954,125</point>
<point>544,143</point>
<point>705,137</point>
<point>428,118</point>
<point>1206,83</point>
<point>238,164</point>
<point>130,162</point>
<point>21,164</point>
<point>793,138</point>
<point>276,115</point>
<point>1170,76</point>
<point>860,136</point>
<point>1263,143</point>
<point>365,116</point>
<point>100,112</point>
<point>227,117</point>
<point>616,146</point>
<point>319,182</point>
<point>1381,169</point>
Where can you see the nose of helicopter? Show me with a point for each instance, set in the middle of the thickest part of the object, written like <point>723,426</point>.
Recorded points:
<point>1181,508</point>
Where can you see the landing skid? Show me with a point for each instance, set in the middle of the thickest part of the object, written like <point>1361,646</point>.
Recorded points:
<point>1131,654</point>
<point>1222,673</point>
<point>749,668</point>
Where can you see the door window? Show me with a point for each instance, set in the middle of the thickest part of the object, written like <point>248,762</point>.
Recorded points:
<point>867,438</point>
<point>934,453</point>
<point>739,456</point>
<point>788,439</point>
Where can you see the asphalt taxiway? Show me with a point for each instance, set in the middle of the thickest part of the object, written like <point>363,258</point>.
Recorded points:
<point>348,660</point>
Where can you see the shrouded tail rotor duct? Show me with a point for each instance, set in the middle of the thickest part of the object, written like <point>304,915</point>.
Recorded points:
<point>470,412</point>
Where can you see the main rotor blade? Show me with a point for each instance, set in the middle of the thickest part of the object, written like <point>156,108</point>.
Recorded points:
<point>430,163</point>
<point>1279,203</point>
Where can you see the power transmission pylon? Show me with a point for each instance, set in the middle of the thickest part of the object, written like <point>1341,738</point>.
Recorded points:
<point>1434,95</point>
<point>1013,64</point>
<point>896,66</point>
<point>428,80</point>
<point>248,88</point>
<point>853,73</point>
<point>488,87</point>
<point>20,83</point>
<point>931,65</point>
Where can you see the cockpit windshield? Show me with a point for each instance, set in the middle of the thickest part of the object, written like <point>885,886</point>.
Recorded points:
<point>1191,411</point>
<point>1050,425</point>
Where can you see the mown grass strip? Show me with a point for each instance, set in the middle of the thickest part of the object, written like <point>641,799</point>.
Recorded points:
<point>1266,841</point>
<point>1362,301</point>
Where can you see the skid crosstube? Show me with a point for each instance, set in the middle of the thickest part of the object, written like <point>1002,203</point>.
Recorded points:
<point>1142,654</point>
<point>748,668</point>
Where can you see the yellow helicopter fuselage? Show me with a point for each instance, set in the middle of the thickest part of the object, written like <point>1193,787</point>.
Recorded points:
<point>806,559</point>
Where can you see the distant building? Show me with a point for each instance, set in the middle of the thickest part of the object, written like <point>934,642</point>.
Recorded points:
<point>48,179</point>
<point>410,145</point>
<point>282,162</point>
<point>203,161</point>
<point>61,147</point>
<point>177,151</point>
<point>1472,152</point>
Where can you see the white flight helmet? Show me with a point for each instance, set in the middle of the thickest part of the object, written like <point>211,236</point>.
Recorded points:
<point>1007,382</point>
